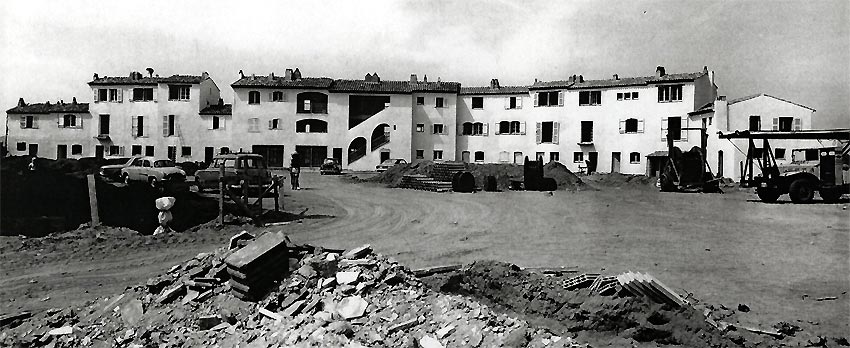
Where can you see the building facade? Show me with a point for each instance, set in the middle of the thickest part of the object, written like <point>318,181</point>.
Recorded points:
<point>611,125</point>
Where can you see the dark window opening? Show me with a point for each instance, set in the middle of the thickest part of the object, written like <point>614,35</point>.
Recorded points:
<point>420,127</point>
<point>587,131</point>
<point>69,121</point>
<point>786,124</point>
<point>136,150</point>
<point>554,156</point>
<point>311,126</point>
<point>755,123</point>
<point>170,125</point>
<point>631,125</point>
<point>589,98</point>
<point>515,127</point>
<point>362,107</point>
<point>104,124</point>
<point>439,102</point>
<point>479,156</point>
<point>670,93</point>
<point>277,96</point>
<point>178,92</point>
<point>674,127</point>
<point>172,152</point>
<point>504,127</point>
<point>547,98</point>
<point>634,157</point>
<point>779,153</point>
<point>313,103</point>
<point>114,150</point>
<point>76,149</point>
<point>477,102</point>
<point>186,151</point>
<point>142,94</point>
<point>438,154</point>
<point>512,103</point>
<point>578,157</point>
<point>547,132</point>
<point>253,97</point>
<point>438,128</point>
<point>420,100</point>
<point>467,128</point>
<point>216,122</point>
<point>477,128</point>
<point>420,154</point>
<point>22,146</point>
<point>102,94</point>
<point>149,150</point>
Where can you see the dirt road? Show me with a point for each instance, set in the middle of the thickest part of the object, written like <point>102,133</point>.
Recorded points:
<point>725,249</point>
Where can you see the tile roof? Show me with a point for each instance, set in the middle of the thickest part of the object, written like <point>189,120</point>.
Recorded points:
<point>498,90</point>
<point>44,108</point>
<point>738,100</point>
<point>126,80</point>
<point>621,82</point>
<point>281,82</point>
<point>226,109</point>
<point>362,86</point>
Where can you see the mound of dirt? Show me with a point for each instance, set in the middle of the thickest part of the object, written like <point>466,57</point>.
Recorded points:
<point>566,179</point>
<point>621,180</point>
<point>392,177</point>
<point>505,172</point>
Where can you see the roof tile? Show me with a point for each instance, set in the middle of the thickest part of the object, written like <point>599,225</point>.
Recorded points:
<point>44,108</point>
<point>226,109</point>
<point>126,80</point>
<point>490,90</point>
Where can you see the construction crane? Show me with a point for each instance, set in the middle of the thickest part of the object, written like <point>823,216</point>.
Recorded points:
<point>828,172</point>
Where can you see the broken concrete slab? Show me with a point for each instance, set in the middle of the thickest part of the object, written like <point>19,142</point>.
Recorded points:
<point>351,307</point>
<point>343,278</point>
<point>65,330</point>
<point>132,312</point>
<point>358,252</point>
<point>429,342</point>
<point>208,322</point>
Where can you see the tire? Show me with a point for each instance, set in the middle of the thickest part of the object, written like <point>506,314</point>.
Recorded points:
<point>767,195</point>
<point>801,191</point>
<point>830,195</point>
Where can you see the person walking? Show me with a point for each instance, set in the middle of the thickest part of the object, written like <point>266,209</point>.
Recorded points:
<point>295,170</point>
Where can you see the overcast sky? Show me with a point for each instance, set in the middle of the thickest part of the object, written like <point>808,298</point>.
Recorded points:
<point>797,50</point>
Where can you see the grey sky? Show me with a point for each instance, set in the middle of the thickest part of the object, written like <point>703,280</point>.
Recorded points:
<point>797,50</point>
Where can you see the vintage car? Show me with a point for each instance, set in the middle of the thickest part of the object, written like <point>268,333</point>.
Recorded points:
<point>387,164</point>
<point>154,171</point>
<point>112,169</point>
<point>238,167</point>
<point>330,166</point>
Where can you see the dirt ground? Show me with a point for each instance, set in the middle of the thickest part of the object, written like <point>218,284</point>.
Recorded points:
<point>728,249</point>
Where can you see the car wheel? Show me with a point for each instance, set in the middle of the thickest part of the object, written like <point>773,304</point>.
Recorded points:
<point>126,178</point>
<point>767,195</point>
<point>801,191</point>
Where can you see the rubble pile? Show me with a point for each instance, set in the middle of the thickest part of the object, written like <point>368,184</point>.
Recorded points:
<point>324,298</point>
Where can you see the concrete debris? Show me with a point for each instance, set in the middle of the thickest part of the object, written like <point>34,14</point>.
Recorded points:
<point>429,342</point>
<point>65,330</point>
<point>256,266</point>
<point>358,252</point>
<point>343,278</point>
<point>352,307</point>
<point>580,281</point>
<point>647,286</point>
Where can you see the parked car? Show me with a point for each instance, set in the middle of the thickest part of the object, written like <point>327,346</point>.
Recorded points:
<point>112,169</point>
<point>330,166</point>
<point>387,164</point>
<point>237,167</point>
<point>155,171</point>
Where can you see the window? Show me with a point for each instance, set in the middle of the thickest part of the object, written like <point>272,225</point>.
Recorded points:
<point>513,102</point>
<point>553,98</point>
<point>627,96</point>
<point>812,154</point>
<point>138,127</point>
<point>178,92</point>
<point>578,157</point>
<point>631,125</point>
<point>114,150</point>
<point>590,98</point>
<point>224,150</point>
<point>479,156</point>
<point>619,96</point>
<point>216,123</point>
<point>278,96</point>
<point>136,150</point>
<point>169,125</point>
<point>276,124</point>
<point>785,124</point>
<point>635,95</point>
<point>76,149</point>
<point>254,125</point>
<point>172,152</point>
<point>253,97</point>
<point>311,126</point>
<point>478,129</point>
<point>477,102</point>
<point>68,121</point>
<point>143,94</point>
<point>312,103</point>
<point>504,156</point>
<point>517,127</point>
<point>538,156</point>
<point>438,154</point>
<point>149,150</point>
<point>554,156</point>
<point>674,127</point>
<point>438,103</point>
<point>420,127</point>
<point>22,146</point>
<point>30,122</point>
<point>114,95</point>
<point>504,127</point>
<point>466,128</point>
<point>104,124</point>
<point>755,123</point>
<point>547,132</point>
<point>420,154</point>
<point>102,94</point>
<point>186,151</point>
<point>779,153</point>
<point>420,100</point>
<point>634,157</point>
<point>586,131</point>
<point>669,93</point>
<point>438,128</point>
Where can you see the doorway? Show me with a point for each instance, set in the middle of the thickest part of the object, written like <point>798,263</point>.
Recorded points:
<point>312,156</point>
<point>62,152</point>
<point>273,154</point>
<point>33,150</point>
<point>720,162</point>
<point>98,151</point>
<point>385,155</point>
<point>615,162</point>
<point>592,160</point>
<point>337,154</point>
<point>209,153</point>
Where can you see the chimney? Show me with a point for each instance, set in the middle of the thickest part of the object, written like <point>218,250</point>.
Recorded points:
<point>253,77</point>
<point>368,77</point>
<point>494,83</point>
<point>296,75</point>
<point>22,103</point>
<point>535,80</point>
<point>705,69</point>
<point>413,78</point>
<point>271,75</point>
<point>74,101</point>
<point>94,77</point>
<point>241,74</point>
<point>425,79</point>
<point>438,79</point>
<point>47,103</point>
<point>580,79</point>
<point>287,75</point>
<point>375,77</point>
<point>616,77</point>
<point>150,72</point>
<point>204,75</point>
<point>659,71</point>
<point>62,101</point>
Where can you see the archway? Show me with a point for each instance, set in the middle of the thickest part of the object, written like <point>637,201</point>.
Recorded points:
<point>357,149</point>
<point>380,136</point>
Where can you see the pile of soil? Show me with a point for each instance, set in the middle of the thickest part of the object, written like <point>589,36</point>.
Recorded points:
<point>621,180</point>
<point>392,177</point>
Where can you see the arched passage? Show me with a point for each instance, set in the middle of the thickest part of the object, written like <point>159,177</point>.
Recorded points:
<point>380,136</point>
<point>356,149</point>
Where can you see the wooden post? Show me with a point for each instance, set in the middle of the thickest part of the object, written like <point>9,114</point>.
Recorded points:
<point>276,183</point>
<point>262,193</point>
<point>95,218</point>
<point>221,194</point>
<point>244,184</point>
